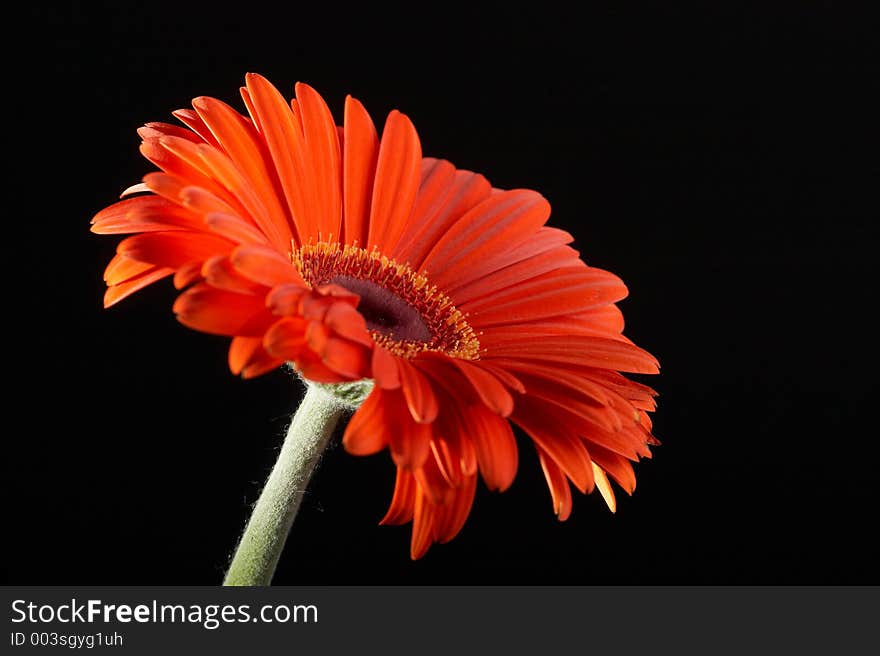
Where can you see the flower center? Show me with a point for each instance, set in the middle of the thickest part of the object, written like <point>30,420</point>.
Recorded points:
<point>404,312</point>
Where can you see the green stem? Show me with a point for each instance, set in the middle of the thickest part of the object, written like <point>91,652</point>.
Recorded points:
<point>260,547</point>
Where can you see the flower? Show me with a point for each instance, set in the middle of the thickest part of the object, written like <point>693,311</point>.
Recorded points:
<point>355,257</point>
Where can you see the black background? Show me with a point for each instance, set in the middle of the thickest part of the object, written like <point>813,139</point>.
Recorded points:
<point>719,161</point>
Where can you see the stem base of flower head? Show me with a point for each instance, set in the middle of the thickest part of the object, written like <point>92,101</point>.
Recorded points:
<point>349,395</point>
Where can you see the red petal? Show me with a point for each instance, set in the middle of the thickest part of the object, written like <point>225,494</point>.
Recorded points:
<point>235,229</point>
<point>422,533</point>
<point>628,389</point>
<point>556,440</point>
<point>495,445</point>
<point>222,313</point>
<point>513,273</point>
<point>345,357</point>
<point>562,381</point>
<point>172,249</point>
<point>265,265</point>
<point>437,182</point>
<point>360,154</point>
<point>420,397</point>
<point>202,201</point>
<point>143,214</point>
<point>242,143</point>
<point>220,272</point>
<point>434,484</point>
<point>180,158</point>
<point>188,274</point>
<point>580,350</point>
<point>122,268</point>
<point>554,397</point>
<point>157,129</point>
<point>424,230</point>
<point>189,118</point>
<point>323,159</point>
<point>367,431</point>
<point>450,517</point>
<point>259,203</point>
<point>488,387</point>
<point>338,292</point>
<point>558,484</point>
<point>117,292</point>
<point>316,335</point>
<point>402,503</point>
<point>564,291</point>
<point>496,224</point>
<point>284,138</point>
<point>251,110</point>
<point>446,451</point>
<point>384,366</point>
<point>396,184</point>
<point>604,487</point>
<point>248,357</point>
<point>409,440</point>
<point>286,339</point>
<point>164,185</point>
<point>311,367</point>
<point>284,300</point>
<point>241,350</point>
<point>261,363</point>
<point>315,307</point>
<point>504,376</point>
<point>347,322</point>
<point>618,467</point>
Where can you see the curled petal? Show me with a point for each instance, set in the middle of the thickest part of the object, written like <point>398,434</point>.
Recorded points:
<point>557,441</point>
<point>384,368</point>
<point>122,268</point>
<point>248,358</point>
<point>188,274</point>
<point>423,520</point>
<point>409,440</point>
<point>403,502</point>
<point>433,483</point>
<point>219,272</point>
<point>172,249</point>
<point>420,398</point>
<point>495,445</point>
<point>345,357</point>
<point>604,487</point>
<point>119,291</point>
<point>284,300</point>
<point>234,228</point>
<point>450,517</point>
<point>367,431</point>
<point>488,387</point>
<point>286,339</point>
<point>264,265</point>
<point>560,491</point>
<point>221,312</point>
<point>347,322</point>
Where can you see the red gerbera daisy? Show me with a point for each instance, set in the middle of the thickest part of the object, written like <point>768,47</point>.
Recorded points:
<point>354,257</point>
